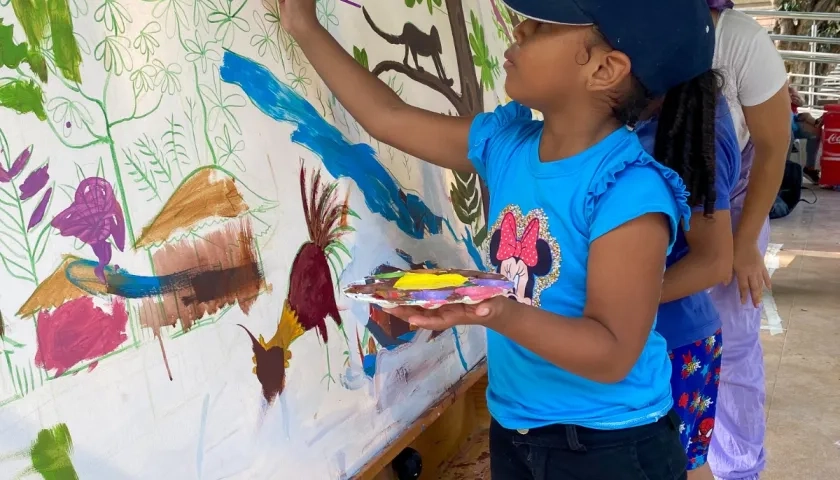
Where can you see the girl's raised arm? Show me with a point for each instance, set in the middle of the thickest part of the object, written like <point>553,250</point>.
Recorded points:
<point>436,138</point>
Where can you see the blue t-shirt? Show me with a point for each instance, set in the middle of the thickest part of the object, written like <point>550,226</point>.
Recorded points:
<point>546,216</point>
<point>695,317</point>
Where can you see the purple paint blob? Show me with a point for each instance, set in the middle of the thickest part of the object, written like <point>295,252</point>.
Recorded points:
<point>93,217</point>
<point>491,282</point>
<point>17,166</point>
<point>431,295</point>
<point>480,293</point>
<point>38,213</point>
<point>68,125</point>
<point>34,182</point>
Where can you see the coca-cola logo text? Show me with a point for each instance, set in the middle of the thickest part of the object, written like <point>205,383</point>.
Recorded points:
<point>833,139</point>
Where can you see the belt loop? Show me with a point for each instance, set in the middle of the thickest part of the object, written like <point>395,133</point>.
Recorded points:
<point>674,419</point>
<point>572,438</point>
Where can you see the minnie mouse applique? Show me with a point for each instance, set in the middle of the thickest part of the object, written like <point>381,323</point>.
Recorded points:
<point>522,250</point>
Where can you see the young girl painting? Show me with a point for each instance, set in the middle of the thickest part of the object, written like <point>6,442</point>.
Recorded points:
<point>579,381</point>
<point>701,258</point>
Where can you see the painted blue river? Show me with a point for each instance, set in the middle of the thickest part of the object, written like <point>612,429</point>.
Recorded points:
<point>383,195</point>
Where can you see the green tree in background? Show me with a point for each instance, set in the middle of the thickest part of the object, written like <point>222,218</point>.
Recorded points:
<point>786,26</point>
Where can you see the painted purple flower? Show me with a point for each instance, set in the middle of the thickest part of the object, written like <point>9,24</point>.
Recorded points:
<point>34,182</point>
<point>17,166</point>
<point>94,217</point>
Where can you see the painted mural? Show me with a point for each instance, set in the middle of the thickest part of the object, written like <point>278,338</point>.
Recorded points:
<point>181,199</point>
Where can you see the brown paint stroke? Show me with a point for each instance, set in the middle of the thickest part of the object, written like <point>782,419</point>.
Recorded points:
<point>272,358</point>
<point>270,368</point>
<point>207,194</point>
<point>228,272</point>
<point>53,292</point>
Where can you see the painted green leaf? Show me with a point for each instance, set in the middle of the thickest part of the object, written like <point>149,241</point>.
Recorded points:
<point>37,63</point>
<point>11,54</point>
<point>23,97</point>
<point>361,56</point>
<point>488,64</point>
<point>64,46</point>
<point>466,198</point>
<point>410,3</point>
<point>480,236</point>
<point>50,454</point>
<point>34,18</point>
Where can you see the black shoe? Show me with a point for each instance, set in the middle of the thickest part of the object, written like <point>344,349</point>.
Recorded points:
<point>812,173</point>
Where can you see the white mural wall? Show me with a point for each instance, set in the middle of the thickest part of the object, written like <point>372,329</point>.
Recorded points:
<point>181,199</point>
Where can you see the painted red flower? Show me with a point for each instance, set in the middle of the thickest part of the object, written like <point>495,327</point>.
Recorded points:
<point>79,331</point>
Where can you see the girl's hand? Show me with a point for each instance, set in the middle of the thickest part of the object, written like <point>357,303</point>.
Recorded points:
<point>751,273</point>
<point>297,16</point>
<point>485,313</point>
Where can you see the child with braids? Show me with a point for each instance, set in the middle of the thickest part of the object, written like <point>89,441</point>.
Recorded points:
<point>579,380</point>
<point>701,257</point>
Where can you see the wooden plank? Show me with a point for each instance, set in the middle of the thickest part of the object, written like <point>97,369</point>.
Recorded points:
<point>373,470</point>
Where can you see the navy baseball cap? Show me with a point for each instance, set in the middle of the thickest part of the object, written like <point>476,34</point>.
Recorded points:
<point>668,41</point>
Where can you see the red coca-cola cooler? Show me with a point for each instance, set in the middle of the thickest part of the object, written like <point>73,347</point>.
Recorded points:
<point>830,158</point>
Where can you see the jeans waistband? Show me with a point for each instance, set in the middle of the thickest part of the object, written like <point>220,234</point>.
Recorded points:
<point>579,438</point>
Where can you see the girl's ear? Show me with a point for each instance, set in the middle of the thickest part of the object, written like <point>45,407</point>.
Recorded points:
<point>613,68</point>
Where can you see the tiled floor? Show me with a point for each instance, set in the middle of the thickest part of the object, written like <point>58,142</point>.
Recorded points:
<point>802,355</point>
<point>803,362</point>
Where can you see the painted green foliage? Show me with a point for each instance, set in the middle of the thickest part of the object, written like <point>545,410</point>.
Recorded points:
<point>50,454</point>
<point>482,59</point>
<point>17,94</point>
<point>466,198</point>
<point>429,3</point>
<point>37,18</point>
<point>361,56</point>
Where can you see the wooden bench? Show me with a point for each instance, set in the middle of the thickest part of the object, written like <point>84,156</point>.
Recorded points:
<point>456,424</point>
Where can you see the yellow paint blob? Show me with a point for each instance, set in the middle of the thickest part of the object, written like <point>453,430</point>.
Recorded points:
<point>429,281</point>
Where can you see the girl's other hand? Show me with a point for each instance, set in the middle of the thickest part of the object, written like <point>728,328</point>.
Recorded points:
<point>447,316</point>
<point>297,16</point>
<point>751,273</point>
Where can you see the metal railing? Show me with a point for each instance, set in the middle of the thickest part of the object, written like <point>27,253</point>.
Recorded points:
<point>819,86</point>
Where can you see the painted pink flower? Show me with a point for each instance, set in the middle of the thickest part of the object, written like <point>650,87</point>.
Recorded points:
<point>94,217</point>
<point>79,331</point>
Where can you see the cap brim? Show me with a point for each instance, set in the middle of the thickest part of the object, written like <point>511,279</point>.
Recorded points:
<point>563,12</point>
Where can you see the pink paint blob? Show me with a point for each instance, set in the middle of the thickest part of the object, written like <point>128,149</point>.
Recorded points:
<point>480,293</point>
<point>79,331</point>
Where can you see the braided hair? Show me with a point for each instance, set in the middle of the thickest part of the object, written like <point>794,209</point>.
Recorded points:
<point>685,136</point>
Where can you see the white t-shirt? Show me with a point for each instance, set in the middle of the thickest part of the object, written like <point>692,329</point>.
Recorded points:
<point>750,64</point>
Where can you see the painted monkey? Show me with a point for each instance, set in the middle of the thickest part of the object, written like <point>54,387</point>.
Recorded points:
<point>416,42</point>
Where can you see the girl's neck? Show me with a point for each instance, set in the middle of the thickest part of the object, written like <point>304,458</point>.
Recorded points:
<point>565,136</point>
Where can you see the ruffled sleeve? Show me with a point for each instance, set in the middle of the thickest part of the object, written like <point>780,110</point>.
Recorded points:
<point>632,188</point>
<point>491,133</point>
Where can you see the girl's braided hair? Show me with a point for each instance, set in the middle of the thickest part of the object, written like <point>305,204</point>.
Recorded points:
<point>685,136</point>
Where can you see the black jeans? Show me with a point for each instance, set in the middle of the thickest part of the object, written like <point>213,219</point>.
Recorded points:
<point>568,452</point>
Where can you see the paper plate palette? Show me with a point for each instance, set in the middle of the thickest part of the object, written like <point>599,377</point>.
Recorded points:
<point>429,288</point>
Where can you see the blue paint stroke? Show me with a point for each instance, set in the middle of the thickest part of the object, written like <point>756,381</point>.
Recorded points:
<point>383,195</point>
<point>202,429</point>
<point>118,281</point>
<point>458,348</point>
